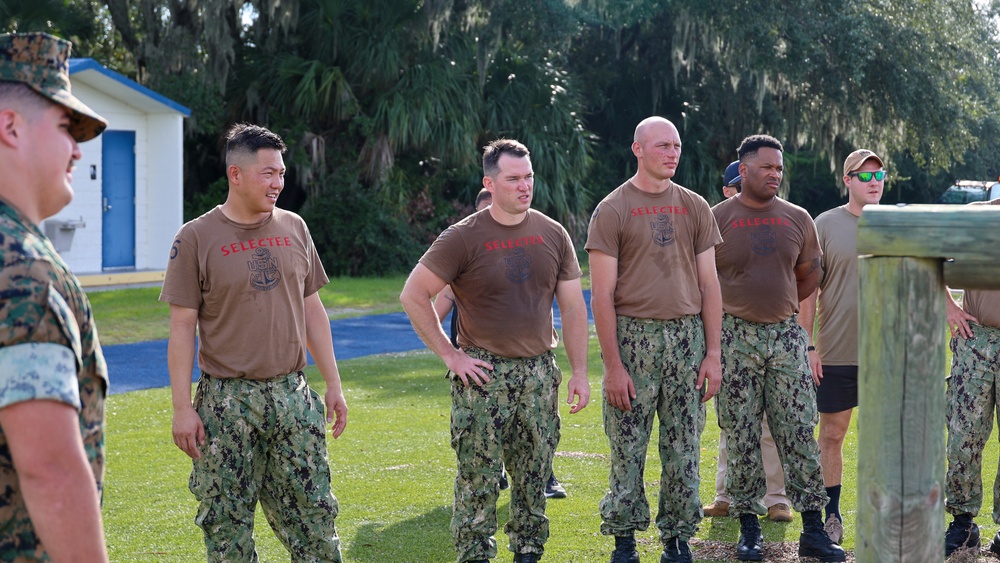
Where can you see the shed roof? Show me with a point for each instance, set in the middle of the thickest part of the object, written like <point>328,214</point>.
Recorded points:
<point>96,75</point>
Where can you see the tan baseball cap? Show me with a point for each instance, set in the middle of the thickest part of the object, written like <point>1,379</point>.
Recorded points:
<point>41,62</point>
<point>857,158</point>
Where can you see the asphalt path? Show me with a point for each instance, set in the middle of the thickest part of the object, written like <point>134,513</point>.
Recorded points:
<point>143,365</point>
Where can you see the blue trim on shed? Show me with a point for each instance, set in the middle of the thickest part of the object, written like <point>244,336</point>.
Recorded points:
<point>80,65</point>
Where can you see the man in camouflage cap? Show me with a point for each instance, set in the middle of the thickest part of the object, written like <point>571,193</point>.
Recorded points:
<point>41,62</point>
<point>53,378</point>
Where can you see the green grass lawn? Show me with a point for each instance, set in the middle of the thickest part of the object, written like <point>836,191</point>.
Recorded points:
<point>393,472</point>
<point>393,468</point>
<point>136,315</point>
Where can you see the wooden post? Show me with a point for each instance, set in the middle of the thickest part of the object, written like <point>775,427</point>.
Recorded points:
<point>901,456</point>
<point>912,253</point>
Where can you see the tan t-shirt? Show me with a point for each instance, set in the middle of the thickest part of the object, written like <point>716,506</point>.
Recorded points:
<point>984,304</point>
<point>655,238</point>
<point>249,284</point>
<point>837,313</point>
<point>757,257</point>
<point>504,279</point>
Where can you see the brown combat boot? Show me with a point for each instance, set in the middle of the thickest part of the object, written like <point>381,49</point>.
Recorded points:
<point>716,509</point>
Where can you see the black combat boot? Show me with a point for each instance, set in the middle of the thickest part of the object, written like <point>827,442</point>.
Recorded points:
<point>751,544</point>
<point>676,551</point>
<point>625,551</point>
<point>527,557</point>
<point>962,532</point>
<point>814,542</point>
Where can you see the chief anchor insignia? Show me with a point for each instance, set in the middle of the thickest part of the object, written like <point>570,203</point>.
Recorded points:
<point>264,274</point>
<point>764,241</point>
<point>518,265</point>
<point>663,230</point>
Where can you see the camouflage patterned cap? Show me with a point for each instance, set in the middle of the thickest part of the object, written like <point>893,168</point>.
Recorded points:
<point>41,61</point>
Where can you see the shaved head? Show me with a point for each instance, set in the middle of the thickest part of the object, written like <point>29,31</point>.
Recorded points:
<point>641,130</point>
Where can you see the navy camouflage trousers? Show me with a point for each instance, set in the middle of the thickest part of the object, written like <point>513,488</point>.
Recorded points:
<point>514,418</point>
<point>663,359</point>
<point>971,403</point>
<point>765,368</point>
<point>265,440</point>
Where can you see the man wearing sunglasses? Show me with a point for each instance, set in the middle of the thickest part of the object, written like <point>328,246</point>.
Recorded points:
<point>833,353</point>
<point>768,263</point>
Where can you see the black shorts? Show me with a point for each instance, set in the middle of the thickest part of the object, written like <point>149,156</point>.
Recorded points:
<point>838,390</point>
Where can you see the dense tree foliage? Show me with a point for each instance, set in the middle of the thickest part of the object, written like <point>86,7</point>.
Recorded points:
<point>825,76</point>
<point>385,102</point>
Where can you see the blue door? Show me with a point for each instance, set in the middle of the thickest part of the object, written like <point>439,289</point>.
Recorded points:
<point>118,201</point>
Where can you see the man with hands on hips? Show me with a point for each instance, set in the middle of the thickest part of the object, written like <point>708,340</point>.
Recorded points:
<point>505,265</point>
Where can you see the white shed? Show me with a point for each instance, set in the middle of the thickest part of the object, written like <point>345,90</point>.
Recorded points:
<point>128,201</point>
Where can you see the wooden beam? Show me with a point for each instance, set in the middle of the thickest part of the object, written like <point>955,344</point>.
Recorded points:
<point>971,274</point>
<point>967,234</point>
<point>901,410</point>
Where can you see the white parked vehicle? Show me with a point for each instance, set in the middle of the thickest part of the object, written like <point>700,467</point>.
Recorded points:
<point>967,191</point>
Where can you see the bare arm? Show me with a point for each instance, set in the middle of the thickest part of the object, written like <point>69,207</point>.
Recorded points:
<point>56,478</point>
<point>710,372</point>
<point>188,430</point>
<point>319,340</point>
<point>807,318</point>
<point>420,288</point>
<point>444,302</point>
<point>573,311</point>
<point>618,385</point>
<point>807,276</point>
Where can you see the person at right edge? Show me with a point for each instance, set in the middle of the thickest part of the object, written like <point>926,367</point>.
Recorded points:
<point>971,401</point>
<point>768,263</point>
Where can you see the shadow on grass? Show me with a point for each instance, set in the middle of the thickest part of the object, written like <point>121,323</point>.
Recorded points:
<point>423,539</point>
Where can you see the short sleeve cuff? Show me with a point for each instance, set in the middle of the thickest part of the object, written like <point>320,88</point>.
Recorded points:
<point>38,370</point>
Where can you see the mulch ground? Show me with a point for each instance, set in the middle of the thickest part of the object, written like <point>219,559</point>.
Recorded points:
<point>788,552</point>
<point>780,552</point>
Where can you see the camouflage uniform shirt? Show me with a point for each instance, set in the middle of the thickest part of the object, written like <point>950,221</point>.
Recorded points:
<point>48,351</point>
